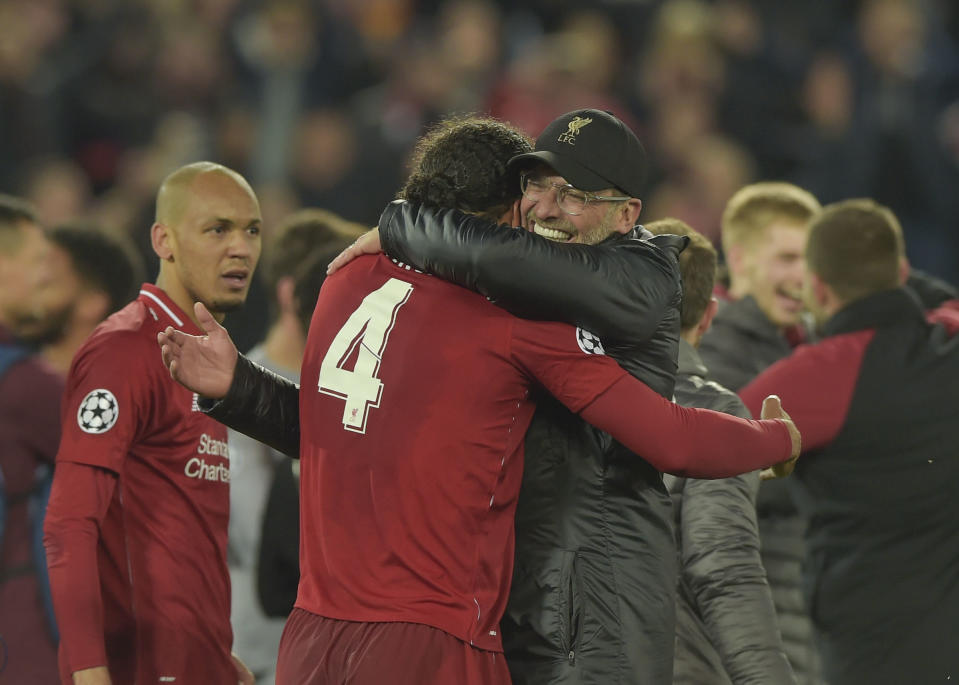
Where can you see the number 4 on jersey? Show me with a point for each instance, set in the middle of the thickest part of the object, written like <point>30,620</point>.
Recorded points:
<point>366,333</point>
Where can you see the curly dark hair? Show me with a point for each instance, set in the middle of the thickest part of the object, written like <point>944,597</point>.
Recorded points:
<point>461,163</point>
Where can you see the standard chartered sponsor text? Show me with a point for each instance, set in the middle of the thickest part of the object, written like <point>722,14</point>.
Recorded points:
<point>200,469</point>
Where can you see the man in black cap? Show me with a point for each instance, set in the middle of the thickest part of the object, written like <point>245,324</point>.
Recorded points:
<point>593,591</point>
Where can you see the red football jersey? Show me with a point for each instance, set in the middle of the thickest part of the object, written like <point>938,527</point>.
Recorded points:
<point>414,403</point>
<point>162,550</point>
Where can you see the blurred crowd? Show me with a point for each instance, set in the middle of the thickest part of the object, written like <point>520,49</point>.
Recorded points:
<point>318,102</point>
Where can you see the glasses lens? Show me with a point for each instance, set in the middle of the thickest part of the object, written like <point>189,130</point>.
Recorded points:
<point>533,186</point>
<point>571,201</point>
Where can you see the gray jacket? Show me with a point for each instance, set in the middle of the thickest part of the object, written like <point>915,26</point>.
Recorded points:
<point>741,344</point>
<point>726,628</point>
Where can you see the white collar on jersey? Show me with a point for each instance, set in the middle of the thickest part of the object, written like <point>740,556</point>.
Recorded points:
<point>162,304</point>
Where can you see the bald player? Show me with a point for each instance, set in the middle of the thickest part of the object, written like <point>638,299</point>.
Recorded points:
<point>136,529</point>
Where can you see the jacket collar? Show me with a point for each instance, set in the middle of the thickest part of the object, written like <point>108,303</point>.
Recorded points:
<point>872,311</point>
<point>690,363</point>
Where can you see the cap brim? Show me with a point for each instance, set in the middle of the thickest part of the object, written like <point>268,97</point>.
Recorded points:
<point>575,173</point>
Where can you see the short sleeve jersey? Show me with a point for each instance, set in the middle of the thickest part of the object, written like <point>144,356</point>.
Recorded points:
<point>162,550</point>
<point>413,408</point>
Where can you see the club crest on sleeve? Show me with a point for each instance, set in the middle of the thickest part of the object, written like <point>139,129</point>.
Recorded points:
<point>589,342</point>
<point>98,411</point>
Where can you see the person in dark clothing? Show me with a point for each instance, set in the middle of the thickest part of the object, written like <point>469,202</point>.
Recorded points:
<point>726,628</point>
<point>876,401</point>
<point>764,228</point>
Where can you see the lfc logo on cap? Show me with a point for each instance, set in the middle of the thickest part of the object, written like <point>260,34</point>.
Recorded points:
<point>569,135</point>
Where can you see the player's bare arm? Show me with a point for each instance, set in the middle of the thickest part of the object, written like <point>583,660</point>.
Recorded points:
<point>204,364</point>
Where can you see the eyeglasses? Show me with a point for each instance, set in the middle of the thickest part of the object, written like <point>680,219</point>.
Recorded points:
<point>571,200</point>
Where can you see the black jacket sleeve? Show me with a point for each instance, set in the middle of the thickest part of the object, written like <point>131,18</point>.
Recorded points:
<point>619,289</point>
<point>262,405</point>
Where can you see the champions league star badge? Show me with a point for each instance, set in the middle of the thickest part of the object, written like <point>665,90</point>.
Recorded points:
<point>589,342</point>
<point>98,411</point>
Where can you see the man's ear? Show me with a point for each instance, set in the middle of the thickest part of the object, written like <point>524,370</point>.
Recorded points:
<point>707,318</point>
<point>904,269</point>
<point>161,237</point>
<point>736,259</point>
<point>821,292</point>
<point>628,215</point>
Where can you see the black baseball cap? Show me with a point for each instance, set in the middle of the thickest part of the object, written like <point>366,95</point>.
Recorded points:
<point>592,150</point>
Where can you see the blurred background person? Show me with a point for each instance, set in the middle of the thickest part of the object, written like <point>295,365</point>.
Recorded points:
<point>278,571</point>
<point>30,393</point>
<point>876,401</point>
<point>726,628</point>
<point>97,274</point>
<point>764,230</point>
<point>843,98</point>
<point>295,244</point>
<point>92,275</point>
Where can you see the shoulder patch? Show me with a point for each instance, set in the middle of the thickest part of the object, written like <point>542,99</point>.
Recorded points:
<point>589,342</point>
<point>98,411</point>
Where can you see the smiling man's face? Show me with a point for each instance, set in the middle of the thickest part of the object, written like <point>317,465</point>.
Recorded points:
<point>775,269</point>
<point>597,222</point>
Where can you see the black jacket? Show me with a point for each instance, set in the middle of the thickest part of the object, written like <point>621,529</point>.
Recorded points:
<point>876,401</point>
<point>726,628</point>
<point>593,594</point>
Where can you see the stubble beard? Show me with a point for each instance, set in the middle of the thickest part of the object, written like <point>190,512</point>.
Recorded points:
<point>592,236</point>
